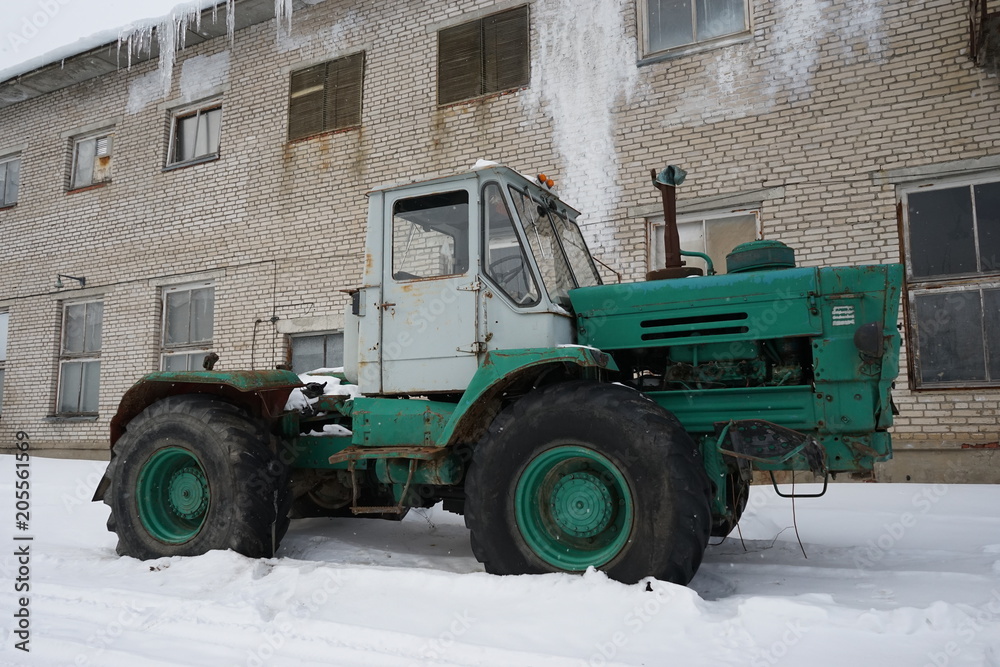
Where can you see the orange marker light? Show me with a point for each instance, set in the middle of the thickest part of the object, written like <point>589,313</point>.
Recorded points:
<point>541,178</point>
<point>549,182</point>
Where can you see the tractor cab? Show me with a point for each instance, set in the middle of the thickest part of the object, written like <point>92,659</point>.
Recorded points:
<point>456,267</point>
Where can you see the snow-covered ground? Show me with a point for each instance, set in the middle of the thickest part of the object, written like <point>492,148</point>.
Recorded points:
<point>895,575</point>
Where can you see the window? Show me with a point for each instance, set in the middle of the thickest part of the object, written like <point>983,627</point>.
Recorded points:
<point>317,351</point>
<point>194,134</point>
<point>326,97</point>
<point>188,314</point>
<point>80,358</point>
<point>715,234</point>
<point>4,321</point>
<point>505,261</point>
<point>430,236</point>
<point>486,56</point>
<point>10,172</point>
<point>673,24</point>
<point>91,160</point>
<point>953,282</point>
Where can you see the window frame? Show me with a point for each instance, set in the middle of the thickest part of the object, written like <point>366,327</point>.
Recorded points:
<point>85,357</point>
<point>649,55</point>
<point>6,160</point>
<point>325,92</point>
<point>181,113</point>
<point>95,136</point>
<point>189,349</point>
<point>483,59</point>
<point>653,224</point>
<point>916,286</point>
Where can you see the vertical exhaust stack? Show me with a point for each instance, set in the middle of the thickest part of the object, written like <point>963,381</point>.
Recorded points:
<point>666,182</point>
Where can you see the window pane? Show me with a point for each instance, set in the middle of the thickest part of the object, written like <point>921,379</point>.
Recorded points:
<point>988,221</point>
<point>1,390</point>
<point>3,184</point>
<point>178,328</point>
<point>506,262</point>
<point>184,139</point>
<point>83,172</point>
<point>207,142</point>
<point>720,17</point>
<point>92,333</point>
<point>950,337</point>
<point>556,276</point>
<point>203,305</point>
<point>69,386</point>
<point>431,236</point>
<point>334,351</point>
<point>670,24</point>
<point>183,362</point>
<point>74,328</point>
<point>91,386</point>
<point>4,323</point>
<point>10,184</point>
<point>991,325</point>
<point>941,239</point>
<point>307,353</point>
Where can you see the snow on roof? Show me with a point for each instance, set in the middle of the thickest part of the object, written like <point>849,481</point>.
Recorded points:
<point>40,32</point>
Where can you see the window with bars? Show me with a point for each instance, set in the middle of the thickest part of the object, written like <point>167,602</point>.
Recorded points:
<point>489,55</point>
<point>91,159</point>
<point>326,97</point>
<point>10,177</point>
<point>314,351</point>
<point>952,244</point>
<point>80,358</point>
<point>188,321</point>
<point>195,133</point>
<point>679,24</point>
<point>714,234</point>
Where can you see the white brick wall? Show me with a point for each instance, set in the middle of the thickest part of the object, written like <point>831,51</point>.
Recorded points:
<point>822,98</point>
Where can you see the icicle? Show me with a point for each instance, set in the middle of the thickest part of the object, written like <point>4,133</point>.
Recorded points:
<point>230,19</point>
<point>283,17</point>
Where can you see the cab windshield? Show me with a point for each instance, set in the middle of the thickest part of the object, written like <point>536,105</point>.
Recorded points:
<point>557,245</point>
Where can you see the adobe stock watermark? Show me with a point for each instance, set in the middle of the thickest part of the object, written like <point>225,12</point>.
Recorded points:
<point>34,22</point>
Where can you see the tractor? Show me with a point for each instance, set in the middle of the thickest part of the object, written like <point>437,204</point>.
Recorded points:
<point>574,424</point>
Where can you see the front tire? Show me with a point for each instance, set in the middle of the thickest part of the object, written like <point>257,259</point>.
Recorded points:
<point>583,474</point>
<point>192,474</point>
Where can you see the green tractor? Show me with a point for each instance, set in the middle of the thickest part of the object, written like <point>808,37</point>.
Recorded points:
<point>573,424</point>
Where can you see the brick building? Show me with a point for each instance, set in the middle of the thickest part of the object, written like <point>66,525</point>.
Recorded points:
<point>213,198</point>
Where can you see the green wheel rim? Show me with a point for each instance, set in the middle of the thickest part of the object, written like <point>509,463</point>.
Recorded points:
<point>573,508</point>
<point>173,495</point>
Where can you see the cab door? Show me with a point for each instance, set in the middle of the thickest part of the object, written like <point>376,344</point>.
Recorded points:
<point>429,340</point>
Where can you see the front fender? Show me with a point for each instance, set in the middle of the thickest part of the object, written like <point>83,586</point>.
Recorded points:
<point>261,393</point>
<point>502,370</point>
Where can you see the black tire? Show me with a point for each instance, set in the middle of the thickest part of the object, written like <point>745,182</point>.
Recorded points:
<point>606,442</point>
<point>207,453</point>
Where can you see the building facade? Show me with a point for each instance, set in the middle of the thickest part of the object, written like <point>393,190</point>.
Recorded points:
<point>212,198</point>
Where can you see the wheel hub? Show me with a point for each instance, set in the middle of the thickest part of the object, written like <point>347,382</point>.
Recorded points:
<point>581,504</point>
<point>187,492</point>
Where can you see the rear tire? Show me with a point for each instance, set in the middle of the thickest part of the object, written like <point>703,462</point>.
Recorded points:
<point>192,474</point>
<point>583,474</point>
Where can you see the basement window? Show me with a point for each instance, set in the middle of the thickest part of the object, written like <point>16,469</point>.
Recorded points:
<point>952,244</point>
<point>194,134</point>
<point>481,57</point>
<point>91,159</point>
<point>681,26</point>
<point>10,177</point>
<point>715,234</point>
<point>314,351</point>
<point>326,97</point>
